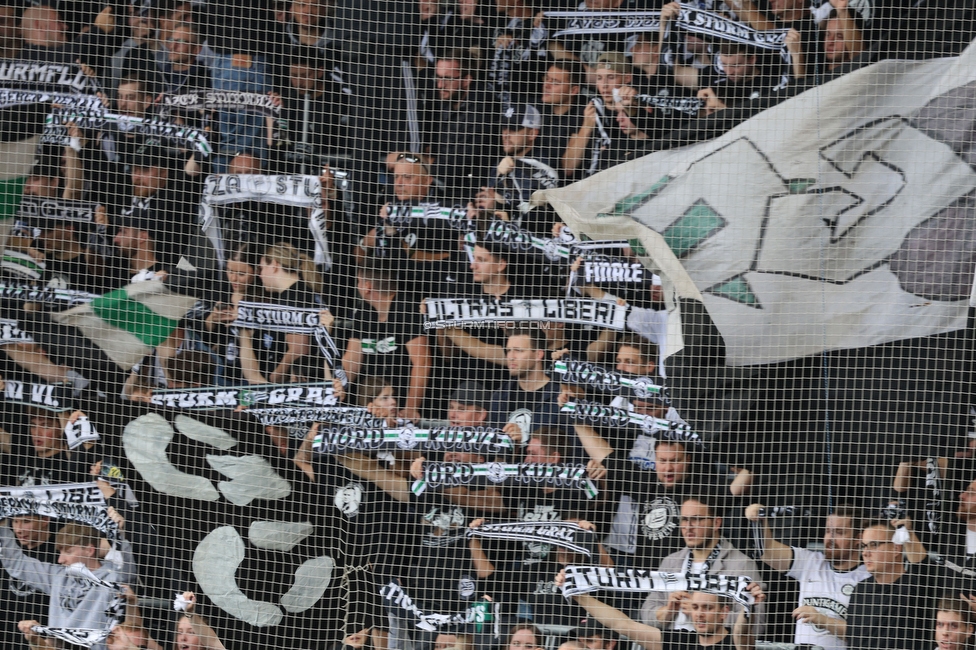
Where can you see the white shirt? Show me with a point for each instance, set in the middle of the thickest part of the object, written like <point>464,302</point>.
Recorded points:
<point>826,589</point>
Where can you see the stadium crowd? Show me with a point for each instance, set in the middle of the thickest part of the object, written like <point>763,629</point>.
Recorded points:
<point>418,132</point>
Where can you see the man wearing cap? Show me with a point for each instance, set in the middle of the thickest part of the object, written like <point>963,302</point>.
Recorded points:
<point>522,171</point>
<point>587,150</point>
<point>468,406</point>
<point>152,230</point>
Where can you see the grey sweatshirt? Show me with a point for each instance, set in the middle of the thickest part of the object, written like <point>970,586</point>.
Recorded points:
<point>74,602</point>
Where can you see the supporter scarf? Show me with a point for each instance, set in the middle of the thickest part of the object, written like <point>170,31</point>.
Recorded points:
<point>613,416</point>
<point>465,439</point>
<point>80,502</point>
<point>590,247</point>
<point>606,22</point>
<point>586,579</point>
<point>547,474</point>
<point>79,570</point>
<point>13,97</point>
<point>405,216</point>
<point>34,207</point>
<point>523,241</point>
<point>605,141</point>
<point>300,191</point>
<point>289,416</point>
<point>50,397</point>
<point>692,20</point>
<point>689,106</point>
<point>396,598</point>
<point>11,333</point>
<point>224,101</point>
<point>312,394</point>
<point>933,488</point>
<point>443,313</point>
<point>55,77</point>
<point>48,295</point>
<point>329,350</point>
<point>79,432</point>
<point>557,533</point>
<point>272,317</point>
<point>719,27</point>
<point>148,126</point>
<point>605,380</point>
<point>74,635</point>
<point>759,537</point>
<point>609,271</point>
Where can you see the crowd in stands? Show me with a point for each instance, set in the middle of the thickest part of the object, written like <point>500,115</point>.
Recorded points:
<point>424,127</point>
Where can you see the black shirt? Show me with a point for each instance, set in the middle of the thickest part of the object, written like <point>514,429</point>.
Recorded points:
<point>384,344</point>
<point>269,347</point>
<point>685,640</point>
<point>897,616</point>
<point>557,130</point>
<point>529,410</point>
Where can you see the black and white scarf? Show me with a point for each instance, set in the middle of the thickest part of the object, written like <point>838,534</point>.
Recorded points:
<point>309,394</point>
<point>444,313</point>
<point>73,635</point>
<point>399,602</point>
<point>556,533</point>
<point>15,97</point>
<point>149,126</point>
<point>585,373</point>
<point>35,207</point>
<point>614,416</point>
<point>604,142</point>
<point>216,100</point>
<point>558,475</point>
<point>66,78</point>
<point>586,579</point>
<point>689,106</point>
<point>520,240</point>
<point>10,332</point>
<point>79,502</point>
<point>402,216</point>
<point>299,191</point>
<point>274,317</point>
<point>48,295</point>
<point>50,397</point>
<point>479,440</point>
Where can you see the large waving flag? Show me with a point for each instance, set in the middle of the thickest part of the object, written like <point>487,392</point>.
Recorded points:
<point>838,219</point>
<point>819,262</point>
<point>128,322</point>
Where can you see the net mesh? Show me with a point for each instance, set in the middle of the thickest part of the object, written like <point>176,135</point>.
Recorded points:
<point>387,325</point>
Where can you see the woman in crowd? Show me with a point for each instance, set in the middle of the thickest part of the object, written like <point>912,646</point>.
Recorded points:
<point>289,279</point>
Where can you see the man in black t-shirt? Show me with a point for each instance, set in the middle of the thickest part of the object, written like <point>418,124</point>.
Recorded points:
<point>528,400</point>
<point>894,607</point>
<point>388,340</point>
<point>561,107</point>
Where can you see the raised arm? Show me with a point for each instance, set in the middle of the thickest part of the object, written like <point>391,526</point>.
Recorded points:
<point>370,470</point>
<point>777,555</point>
<point>645,635</point>
<point>476,347</point>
